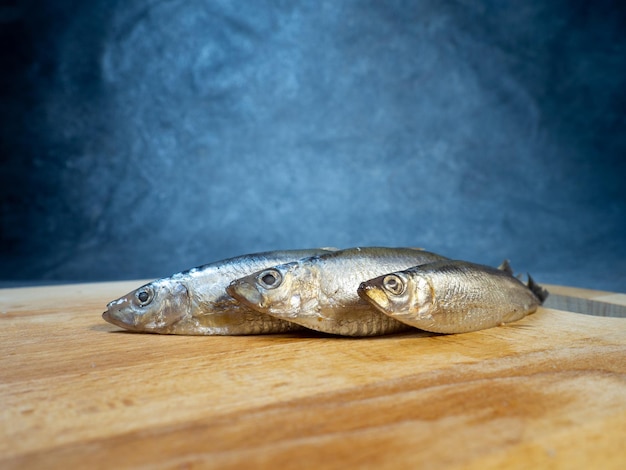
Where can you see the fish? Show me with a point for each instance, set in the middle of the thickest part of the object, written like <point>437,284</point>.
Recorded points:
<point>453,296</point>
<point>195,302</point>
<point>320,292</point>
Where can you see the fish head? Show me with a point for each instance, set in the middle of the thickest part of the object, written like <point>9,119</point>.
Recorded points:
<point>151,308</point>
<point>283,291</point>
<point>399,294</point>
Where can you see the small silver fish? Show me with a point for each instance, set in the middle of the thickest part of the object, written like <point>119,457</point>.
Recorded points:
<point>195,302</point>
<point>320,292</point>
<point>453,296</point>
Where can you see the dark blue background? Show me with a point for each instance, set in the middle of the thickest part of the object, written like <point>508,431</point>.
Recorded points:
<point>140,138</point>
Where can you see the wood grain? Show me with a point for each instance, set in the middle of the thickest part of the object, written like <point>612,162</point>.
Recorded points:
<point>548,391</point>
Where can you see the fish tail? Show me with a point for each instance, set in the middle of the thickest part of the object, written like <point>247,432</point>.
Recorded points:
<point>506,267</point>
<point>540,292</point>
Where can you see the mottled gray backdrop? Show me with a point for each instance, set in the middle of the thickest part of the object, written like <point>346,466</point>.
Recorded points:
<point>139,138</point>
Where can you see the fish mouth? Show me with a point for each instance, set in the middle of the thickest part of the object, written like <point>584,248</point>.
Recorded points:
<point>110,317</point>
<point>365,290</point>
<point>245,293</point>
<point>374,295</point>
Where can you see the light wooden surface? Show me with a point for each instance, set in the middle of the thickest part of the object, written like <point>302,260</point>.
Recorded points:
<point>75,392</point>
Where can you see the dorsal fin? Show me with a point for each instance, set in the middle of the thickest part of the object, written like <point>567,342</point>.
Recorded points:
<point>506,267</point>
<point>540,292</point>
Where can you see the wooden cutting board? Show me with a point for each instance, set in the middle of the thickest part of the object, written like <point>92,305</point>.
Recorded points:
<point>76,392</point>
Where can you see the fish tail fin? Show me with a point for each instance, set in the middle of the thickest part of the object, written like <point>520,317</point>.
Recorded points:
<point>540,292</point>
<point>506,267</point>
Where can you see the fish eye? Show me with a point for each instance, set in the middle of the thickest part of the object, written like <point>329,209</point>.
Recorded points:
<point>144,296</point>
<point>393,284</point>
<point>270,279</point>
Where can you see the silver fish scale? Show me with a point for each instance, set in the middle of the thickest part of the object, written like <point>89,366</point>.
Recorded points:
<point>211,310</point>
<point>370,325</point>
<point>239,319</point>
<point>470,297</point>
<point>340,310</point>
